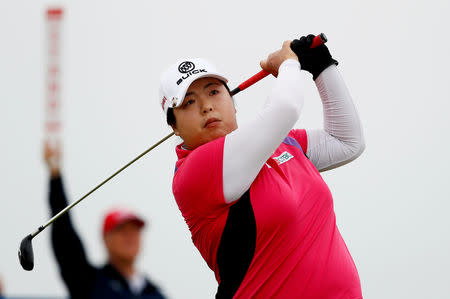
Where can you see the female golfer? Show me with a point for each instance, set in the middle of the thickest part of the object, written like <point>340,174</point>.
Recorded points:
<point>258,210</point>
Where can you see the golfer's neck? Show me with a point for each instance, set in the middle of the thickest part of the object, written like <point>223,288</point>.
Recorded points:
<point>126,268</point>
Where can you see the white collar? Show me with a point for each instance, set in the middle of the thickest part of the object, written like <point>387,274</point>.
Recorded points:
<point>136,283</point>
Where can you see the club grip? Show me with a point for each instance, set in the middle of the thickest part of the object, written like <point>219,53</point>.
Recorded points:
<point>252,80</point>
<point>317,41</point>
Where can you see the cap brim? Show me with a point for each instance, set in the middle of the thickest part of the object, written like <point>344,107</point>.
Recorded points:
<point>185,86</point>
<point>127,219</point>
<point>135,219</point>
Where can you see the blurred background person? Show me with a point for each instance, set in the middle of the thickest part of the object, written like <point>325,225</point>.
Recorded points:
<point>1,289</point>
<point>122,231</point>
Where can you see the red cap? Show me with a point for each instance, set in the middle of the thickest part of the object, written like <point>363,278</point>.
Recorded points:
<point>119,216</point>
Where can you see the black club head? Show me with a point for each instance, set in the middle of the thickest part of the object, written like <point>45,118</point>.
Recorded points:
<point>26,256</point>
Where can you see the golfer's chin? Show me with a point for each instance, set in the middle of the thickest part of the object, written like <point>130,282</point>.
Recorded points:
<point>208,135</point>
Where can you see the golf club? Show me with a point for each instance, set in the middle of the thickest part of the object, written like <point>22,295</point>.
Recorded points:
<point>26,256</point>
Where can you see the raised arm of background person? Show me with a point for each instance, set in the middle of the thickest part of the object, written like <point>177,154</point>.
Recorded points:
<point>247,148</point>
<point>74,267</point>
<point>341,141</point>
<point>1,289</point>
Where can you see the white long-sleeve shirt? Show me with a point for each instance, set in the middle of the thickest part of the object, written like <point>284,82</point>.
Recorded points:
<point>339,142</point>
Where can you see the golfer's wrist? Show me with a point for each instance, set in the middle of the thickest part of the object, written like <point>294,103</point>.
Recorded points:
<point>290,62</point>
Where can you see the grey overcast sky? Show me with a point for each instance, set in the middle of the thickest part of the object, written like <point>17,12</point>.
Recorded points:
<point>391,204</point>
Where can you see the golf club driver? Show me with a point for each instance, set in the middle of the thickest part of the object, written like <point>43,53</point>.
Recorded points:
<point>26,256</point>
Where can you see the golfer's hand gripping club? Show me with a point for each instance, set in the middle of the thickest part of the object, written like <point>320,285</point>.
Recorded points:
<point>317,41</point>
<point>314,61</point>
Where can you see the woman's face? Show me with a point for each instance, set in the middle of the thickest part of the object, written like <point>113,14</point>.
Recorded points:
<point>207,113</point>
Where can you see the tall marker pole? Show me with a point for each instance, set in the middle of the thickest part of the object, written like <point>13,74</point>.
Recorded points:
<point>53,70</point>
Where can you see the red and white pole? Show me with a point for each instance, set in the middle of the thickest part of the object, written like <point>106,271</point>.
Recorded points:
<point>53,70</point>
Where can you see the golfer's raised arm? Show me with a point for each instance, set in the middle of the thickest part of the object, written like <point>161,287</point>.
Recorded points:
<point>341,141</point>
<point>247,148</point>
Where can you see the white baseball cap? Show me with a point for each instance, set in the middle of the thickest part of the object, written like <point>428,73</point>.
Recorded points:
<point>176,80</point>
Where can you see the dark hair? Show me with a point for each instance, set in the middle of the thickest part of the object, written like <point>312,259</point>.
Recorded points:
<point>171,121</point>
